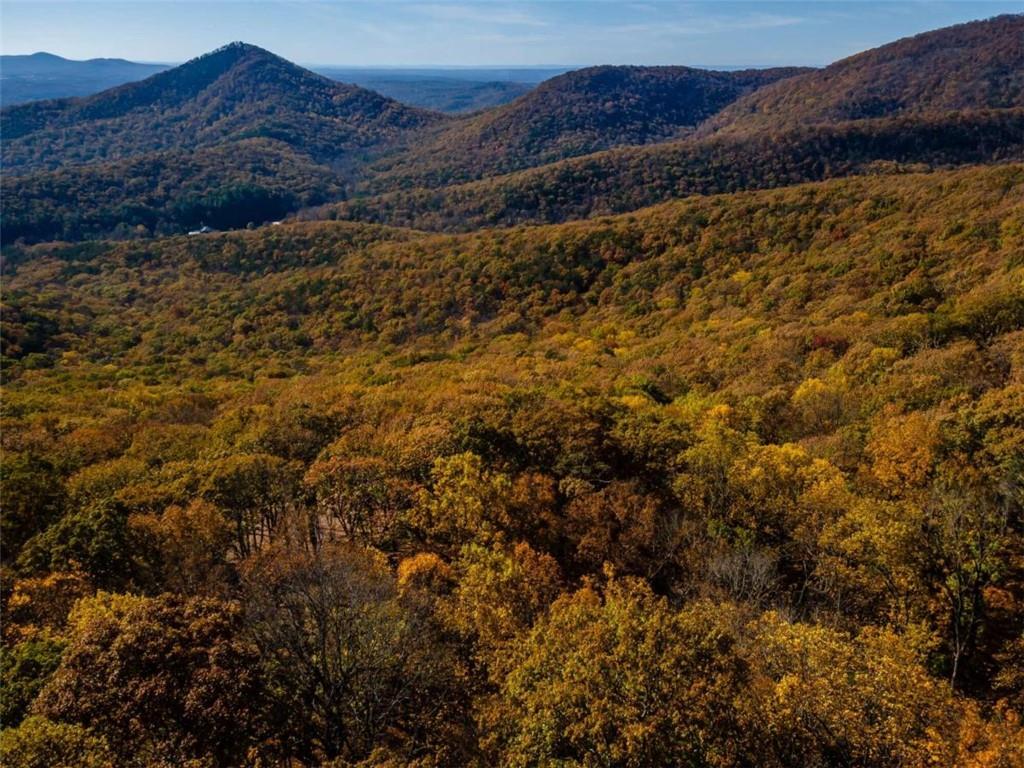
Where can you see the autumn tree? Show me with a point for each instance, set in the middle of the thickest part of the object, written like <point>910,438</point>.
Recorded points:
<point>619,679</point>
<point>41,743</point>
<point>256,492</point>
<point>358,499</point>
<point>467,501</point>
<point>191,546</point>
<point>627,526</point>
<point>160,679</point>
<point>354,663</point>
<point>820,697</point>
<point>499,593</point>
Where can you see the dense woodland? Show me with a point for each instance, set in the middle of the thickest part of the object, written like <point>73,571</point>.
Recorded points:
<point>719,467</point>
<point>225,187</point>
<point>629,178</point>
<point>730,481</point>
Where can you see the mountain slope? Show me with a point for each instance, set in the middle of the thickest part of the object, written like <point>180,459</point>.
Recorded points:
<point>574,114</point>
<point>94,200</point>
<point>46,76</point>
<point>223,186</point>
<point>629,178</point>
<point>979,65</point>
<point>238,91</point>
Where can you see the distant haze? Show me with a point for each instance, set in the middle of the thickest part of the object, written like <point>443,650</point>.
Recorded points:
<point>514,34</point>
<point>45,75</point>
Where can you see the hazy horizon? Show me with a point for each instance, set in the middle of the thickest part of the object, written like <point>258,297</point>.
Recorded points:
<point>448,35</point>
<point>402,68</point>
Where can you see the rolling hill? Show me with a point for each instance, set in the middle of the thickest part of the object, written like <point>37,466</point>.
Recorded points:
<point>978,65</point>
<point>349,284</point>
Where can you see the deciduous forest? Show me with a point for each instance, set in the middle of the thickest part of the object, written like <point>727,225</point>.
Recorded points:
<point>719,466</point>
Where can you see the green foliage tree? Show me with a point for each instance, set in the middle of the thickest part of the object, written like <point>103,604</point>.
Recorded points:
<point>620,679</point>
<point>24,670</point>
<point>32,497</point>
<point>40,743</point>
<point>95,540</point>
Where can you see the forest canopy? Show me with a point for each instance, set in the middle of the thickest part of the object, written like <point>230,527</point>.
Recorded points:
<point>732,480</point>
<point>660,417</point>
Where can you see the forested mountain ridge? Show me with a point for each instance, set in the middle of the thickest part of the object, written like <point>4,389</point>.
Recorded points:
<point>236,92</point>
<point>175,136</point>
<point>755,453</point>
<point>111,164</point>
<point>628,178</point>
<point>577,113</point>
<point>978,65</point>
<point>170,192</point>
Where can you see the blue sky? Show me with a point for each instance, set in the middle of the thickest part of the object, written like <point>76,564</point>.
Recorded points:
<point>468,33</point>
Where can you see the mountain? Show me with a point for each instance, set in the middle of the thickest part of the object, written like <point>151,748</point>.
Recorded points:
<point>43,76</point>
<point>46,76</point>
<point>236,136</point>
<point>588,142</point>
<point>576,113</point>
<point>979,65</point>
<point>236,92</point>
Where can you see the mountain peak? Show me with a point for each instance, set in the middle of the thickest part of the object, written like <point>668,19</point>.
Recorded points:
<point>234,50</point>
<point>220,60</point>
<point>183,83</point>
<point>237,91</point>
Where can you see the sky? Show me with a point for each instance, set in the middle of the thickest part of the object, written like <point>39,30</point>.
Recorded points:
<point>475,33</point>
